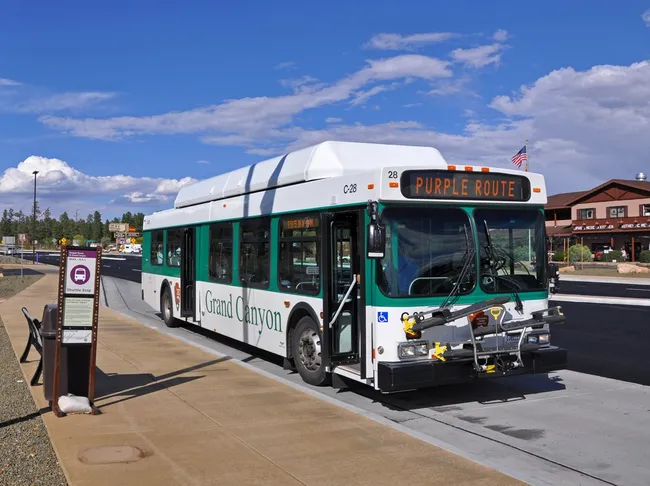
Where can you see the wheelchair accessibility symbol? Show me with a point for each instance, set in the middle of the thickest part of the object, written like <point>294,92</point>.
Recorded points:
<point>382,316</point>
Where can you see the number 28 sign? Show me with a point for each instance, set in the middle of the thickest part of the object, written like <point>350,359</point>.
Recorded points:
<point>80,275</point>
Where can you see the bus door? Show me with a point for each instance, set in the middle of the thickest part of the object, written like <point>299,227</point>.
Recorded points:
<point>188,274</point>
<point>343,295</point>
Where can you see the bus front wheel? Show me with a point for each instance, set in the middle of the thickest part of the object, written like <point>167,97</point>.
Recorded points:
<point>307,352</point>
<point>167,308</point>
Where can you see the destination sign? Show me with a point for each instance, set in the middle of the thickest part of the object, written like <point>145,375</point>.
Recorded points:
<point>300,223</point>
<point>441,184</point>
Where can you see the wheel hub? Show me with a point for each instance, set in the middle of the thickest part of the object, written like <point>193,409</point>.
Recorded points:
<point>167,306</point>
<point>310,350</point>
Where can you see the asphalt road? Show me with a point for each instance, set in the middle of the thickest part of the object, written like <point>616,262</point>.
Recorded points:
<point>606,340</point>
<point>127,267</point>
<point>604,289</point>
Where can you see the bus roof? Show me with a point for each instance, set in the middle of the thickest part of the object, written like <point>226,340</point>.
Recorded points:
<point>322,161</point>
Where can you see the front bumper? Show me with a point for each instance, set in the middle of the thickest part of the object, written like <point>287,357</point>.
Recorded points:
<point>392,377</point>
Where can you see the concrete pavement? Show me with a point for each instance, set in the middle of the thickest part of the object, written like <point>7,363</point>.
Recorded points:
<point>174,414</point>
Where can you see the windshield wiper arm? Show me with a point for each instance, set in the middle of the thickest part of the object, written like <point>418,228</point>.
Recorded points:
<point>492,255</point>
<point>467,261</point>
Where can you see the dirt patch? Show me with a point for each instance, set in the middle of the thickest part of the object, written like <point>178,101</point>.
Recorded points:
<point>11,285</point>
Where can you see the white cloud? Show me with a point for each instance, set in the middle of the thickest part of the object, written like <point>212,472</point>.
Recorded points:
<point>251,118</point>
<point>362,96</point>
<point>203,162</point>
<point>396,42</point>
<point>445,88</point>
<point>63,101</point>
<point>57,182</point>
<point>333,119</point>
<point>32,99</point>
<point>500,35</point>
<point>478,57</point>
<point>646,17</point>
<point>9,82</point>
<point>285,65</point>
<point>583,126</point>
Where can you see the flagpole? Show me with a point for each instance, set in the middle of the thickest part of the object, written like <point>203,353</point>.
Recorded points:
<point>527,155</point>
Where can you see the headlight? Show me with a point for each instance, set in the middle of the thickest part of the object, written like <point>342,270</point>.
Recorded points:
<point>539,338</point>
<point>412,349</point>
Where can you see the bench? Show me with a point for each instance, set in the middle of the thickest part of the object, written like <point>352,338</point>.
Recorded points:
<point>35,340</point>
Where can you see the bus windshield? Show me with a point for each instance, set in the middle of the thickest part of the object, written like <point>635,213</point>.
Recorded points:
<point>512,249</point>
<point>426,249</point>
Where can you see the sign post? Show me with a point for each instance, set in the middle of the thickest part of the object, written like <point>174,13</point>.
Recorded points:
<point>22,239</point>
<point>78,308</point>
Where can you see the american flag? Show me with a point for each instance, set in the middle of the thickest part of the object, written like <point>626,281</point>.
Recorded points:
<point>520,157</point>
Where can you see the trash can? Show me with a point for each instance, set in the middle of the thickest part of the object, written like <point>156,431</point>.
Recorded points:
<point>74,366</point>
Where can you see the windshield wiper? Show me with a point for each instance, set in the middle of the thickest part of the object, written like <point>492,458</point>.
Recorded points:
<point>492,256</point>
<point>468,258</point>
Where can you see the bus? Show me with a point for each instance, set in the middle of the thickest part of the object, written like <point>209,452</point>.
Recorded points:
<point>377,263</point>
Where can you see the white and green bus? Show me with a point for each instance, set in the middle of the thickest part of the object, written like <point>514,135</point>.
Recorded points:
<point>378,263</point>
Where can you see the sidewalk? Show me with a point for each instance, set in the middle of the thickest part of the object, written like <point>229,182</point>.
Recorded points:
<point>173,414</point>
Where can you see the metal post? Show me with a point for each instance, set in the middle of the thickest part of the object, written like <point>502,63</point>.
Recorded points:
<point>34,223</point>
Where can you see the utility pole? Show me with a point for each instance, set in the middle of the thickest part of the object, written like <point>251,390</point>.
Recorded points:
<point>34,224</point>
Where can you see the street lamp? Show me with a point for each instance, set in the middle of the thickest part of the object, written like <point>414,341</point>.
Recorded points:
<point>34,223</point>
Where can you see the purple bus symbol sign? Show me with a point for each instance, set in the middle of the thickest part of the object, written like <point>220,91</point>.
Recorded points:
<point>80,275</point>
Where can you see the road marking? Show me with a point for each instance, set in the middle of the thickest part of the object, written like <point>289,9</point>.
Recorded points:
<point>599,299</point>
<point>106,266</point>
<point>638,290</point>
<point>113,258</point>
<point>136,270</point>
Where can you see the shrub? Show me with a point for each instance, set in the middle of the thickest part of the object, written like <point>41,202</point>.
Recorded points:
<point>558,256</point>
<point>579,253</point>
<point>612,255</point>
<point>644,256</point>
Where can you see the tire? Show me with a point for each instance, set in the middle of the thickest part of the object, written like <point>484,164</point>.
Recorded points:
<point>307,352</point>
<point>167,308</point>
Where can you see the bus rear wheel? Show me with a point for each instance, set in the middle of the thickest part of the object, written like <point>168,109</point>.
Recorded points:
<point>167,308</point>
<point>307,352</point>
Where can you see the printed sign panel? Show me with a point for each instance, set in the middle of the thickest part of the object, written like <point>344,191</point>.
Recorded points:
<point>77,336</point>
<point>118,227</point>
<point>78,312</point>
<point>80,275</point>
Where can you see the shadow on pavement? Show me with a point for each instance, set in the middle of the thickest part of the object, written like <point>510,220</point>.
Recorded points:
<point>124,387</point>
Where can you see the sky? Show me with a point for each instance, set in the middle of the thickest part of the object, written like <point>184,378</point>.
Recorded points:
<point>119,104</point>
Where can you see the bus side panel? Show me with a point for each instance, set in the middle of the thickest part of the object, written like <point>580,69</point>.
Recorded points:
<point>253,316</point>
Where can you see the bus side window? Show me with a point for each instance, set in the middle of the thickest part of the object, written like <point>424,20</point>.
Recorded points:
<point>254,260</point>
<point>299,259</point>
<point>220,266</point>
<point>174,240</point>
<point>156,248</point>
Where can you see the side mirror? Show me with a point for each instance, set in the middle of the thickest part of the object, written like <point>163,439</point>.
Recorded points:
<point>376,233</point>
<point>376,240</point>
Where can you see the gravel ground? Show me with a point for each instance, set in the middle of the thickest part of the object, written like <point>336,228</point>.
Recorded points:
<point>9,259</point>
<point>26,454</point>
